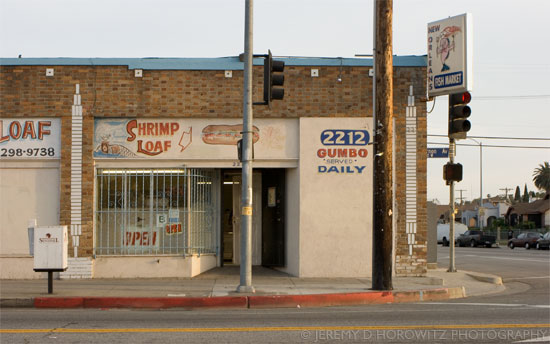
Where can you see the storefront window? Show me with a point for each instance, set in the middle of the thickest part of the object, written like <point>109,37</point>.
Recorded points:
<point>154,211</point>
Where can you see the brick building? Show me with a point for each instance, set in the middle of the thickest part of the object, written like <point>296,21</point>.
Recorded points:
<point>138,157</point>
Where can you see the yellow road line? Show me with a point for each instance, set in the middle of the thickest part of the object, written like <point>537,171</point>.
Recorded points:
<point>274,329</point>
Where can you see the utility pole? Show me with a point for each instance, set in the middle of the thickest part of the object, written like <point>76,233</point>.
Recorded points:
<point>383,146</point>
<point>245,285</point>
<point>461,190</point>
<point>481,210</point>
<point>506,191</point>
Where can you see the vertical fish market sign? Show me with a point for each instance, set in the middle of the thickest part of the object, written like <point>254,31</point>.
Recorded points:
<point>450,55</point>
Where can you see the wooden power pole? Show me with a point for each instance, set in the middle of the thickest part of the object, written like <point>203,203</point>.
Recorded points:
<point>383,136</point>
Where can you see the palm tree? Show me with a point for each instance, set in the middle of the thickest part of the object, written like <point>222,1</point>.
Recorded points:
<point>541,177</point>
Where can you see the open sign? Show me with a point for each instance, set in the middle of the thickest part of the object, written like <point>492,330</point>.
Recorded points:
<point>141,238</point>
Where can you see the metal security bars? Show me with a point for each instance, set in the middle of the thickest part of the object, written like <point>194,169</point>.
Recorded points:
<point>154,212</point>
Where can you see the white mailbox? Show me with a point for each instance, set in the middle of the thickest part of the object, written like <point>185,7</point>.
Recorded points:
<point>50,248</point>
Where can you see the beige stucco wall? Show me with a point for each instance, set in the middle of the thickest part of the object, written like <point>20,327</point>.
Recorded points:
<point>152,266</point>
<point>335,208</point>
<point>19,267</point>
<point>27,191</point>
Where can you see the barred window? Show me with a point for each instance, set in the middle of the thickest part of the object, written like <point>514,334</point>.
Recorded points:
<point>154,212</point>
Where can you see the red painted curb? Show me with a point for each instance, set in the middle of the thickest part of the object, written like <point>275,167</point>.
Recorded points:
<point>58,302</point>
<point>166,302</point>
<point>253,301</point>
<point>319,300</point>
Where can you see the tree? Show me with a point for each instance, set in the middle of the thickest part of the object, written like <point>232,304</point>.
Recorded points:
<point>525,197</point>
<point>517,195</point>
<point>541,177</point>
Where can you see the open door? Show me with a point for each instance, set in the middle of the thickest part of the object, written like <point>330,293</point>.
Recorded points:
<point>256,219</point>
<point>273,218</point>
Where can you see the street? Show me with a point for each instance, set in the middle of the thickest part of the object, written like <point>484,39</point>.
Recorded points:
<point>521,313</point>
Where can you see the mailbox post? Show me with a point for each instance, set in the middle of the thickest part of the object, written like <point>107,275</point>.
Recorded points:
<point>50,251</point>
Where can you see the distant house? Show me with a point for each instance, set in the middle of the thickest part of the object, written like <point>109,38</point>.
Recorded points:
<point>442,213</point>
<point>537,212</point>
<point>493,208</point>
<point>469,214</point>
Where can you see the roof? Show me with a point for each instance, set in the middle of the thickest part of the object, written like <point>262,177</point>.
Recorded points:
<point>536,207</point>
<point>469,206</point>
<point>217,63</point>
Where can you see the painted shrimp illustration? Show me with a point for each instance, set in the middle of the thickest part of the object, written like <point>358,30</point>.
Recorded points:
<point>446,44</point>
<point>106,147</point>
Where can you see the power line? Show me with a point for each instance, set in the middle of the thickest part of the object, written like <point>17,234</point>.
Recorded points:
<point>532,96</point>
<point>489,146</point>
<point>506,189</point>
<point>501,137</point>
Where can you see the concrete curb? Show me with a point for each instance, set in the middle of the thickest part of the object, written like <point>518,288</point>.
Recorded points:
<point>487,278</point>
<point>320,300</point>
<point>242,302</point>
<point>17,303</point>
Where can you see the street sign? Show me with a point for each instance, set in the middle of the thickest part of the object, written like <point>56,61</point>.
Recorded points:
<point>438,152</point>
<point>450,55</point>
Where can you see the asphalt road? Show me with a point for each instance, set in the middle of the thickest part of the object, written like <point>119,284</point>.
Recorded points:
<point>525,273</point>
<point>520,314</point>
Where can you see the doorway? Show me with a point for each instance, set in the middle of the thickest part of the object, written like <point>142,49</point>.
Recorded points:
<point>267,218</point>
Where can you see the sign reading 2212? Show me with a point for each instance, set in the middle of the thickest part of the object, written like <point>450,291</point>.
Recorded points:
<point>348,157</point>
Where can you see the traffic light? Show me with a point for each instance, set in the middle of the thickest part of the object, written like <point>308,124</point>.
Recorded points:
<point>452,172</point>
<point>458,112</point>
<point>273,76</point>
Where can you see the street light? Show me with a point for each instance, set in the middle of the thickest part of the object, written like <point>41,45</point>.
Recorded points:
<point>480,181</point>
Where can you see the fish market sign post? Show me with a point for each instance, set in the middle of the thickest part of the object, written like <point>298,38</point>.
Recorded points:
<point>450,55</point>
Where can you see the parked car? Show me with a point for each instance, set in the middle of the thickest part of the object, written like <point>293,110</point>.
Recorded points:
<point>527,240</point>
<point>543,242</point>
<point>475,238</point>
<point>443,232</point>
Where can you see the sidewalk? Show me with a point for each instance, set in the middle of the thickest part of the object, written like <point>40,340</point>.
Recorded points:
<point>217,288</point>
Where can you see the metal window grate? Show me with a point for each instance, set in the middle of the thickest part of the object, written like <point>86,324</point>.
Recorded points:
<point>154,212</point>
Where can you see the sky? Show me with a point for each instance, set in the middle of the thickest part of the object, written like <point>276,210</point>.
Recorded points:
<point>511,68</point>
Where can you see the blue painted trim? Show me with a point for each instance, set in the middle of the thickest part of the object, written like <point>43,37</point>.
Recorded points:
<point>220,63</point>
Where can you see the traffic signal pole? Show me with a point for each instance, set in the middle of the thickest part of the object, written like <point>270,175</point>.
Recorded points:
<point>452,268</point>
<point>245,285</point>
<point>459,111</point>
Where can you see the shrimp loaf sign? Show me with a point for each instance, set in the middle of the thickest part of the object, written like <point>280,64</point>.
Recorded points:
<point>185,138</point>
<point>154,132</point>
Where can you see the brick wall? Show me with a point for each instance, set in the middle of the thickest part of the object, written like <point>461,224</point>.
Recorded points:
<point>114,91</point>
